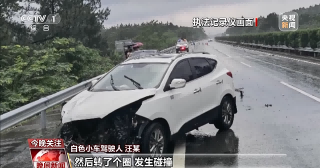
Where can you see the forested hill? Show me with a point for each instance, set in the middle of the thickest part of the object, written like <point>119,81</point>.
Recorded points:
<point>309,18</point>
<point>34,63</point>
<point>312,10</point>
<point>153,34</point>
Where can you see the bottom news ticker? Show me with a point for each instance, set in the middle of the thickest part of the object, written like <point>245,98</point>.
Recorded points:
<point>77,160</point>
<point>50,153</point>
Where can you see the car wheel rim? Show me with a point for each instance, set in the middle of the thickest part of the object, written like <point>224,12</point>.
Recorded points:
<point>156,143</point>
<point>227,113</point>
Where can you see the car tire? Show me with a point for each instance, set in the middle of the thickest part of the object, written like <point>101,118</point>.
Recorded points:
<point>187,50</point>
<point>149,135</point>
<point>225,114</point>
<point>177,51</point>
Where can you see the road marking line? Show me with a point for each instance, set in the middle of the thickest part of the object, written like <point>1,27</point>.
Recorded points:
<point>179,155</point>
<point>222,52</point>
<point>286,57</point>
<point>245,64</point>
<point>302,92</point>
<point>309,75</point>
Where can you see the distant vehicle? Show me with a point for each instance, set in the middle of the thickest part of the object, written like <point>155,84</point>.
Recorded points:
<point>210,40</point>
<point>127,46</point>
<point>182,46</point>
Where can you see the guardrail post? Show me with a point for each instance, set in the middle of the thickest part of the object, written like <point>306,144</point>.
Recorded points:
<point>43,119</point>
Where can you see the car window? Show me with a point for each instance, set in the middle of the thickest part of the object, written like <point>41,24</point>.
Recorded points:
<point>147,75</point>
<point>182,71</point>
<point>212,63</point>
<point>201,66</point>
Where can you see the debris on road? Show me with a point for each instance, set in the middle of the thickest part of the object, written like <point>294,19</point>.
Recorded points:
<point>268,105</point>
<point>241,92</point>
<point>239,89</point>
<point>248,108</point>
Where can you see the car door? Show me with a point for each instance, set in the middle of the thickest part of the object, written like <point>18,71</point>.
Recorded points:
<point>207,82</point>
<point>184,101</point>
<point>216,78</point>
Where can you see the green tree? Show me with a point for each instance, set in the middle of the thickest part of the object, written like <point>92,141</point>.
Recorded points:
<point>29,74</point>
<point>81,20</point>
<point>11,31</point>
<point>31,77</point>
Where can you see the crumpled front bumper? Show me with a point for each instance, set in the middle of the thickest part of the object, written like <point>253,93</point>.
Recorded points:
<point>115,130</point>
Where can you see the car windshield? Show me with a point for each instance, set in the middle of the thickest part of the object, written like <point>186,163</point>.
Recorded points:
<point>132,76</point>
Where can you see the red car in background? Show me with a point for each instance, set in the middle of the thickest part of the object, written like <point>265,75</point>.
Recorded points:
<point>182,46</point>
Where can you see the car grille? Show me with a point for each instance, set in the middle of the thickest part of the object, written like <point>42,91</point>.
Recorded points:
<point>85,127</point>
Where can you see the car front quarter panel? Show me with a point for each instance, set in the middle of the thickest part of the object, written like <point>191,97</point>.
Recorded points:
<point>157,107</point>
<point>228,91</point>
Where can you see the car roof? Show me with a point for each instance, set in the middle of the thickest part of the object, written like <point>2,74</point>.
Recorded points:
<point>166,58</point>
<point>149,58</point>
<point>199,55</point>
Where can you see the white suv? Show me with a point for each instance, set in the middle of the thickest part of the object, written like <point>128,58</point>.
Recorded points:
<point>150,100</point>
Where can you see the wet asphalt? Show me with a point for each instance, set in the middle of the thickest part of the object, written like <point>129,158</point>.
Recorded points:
<point>285,134</point>
<point>276,126</point>
<point>14,150</point>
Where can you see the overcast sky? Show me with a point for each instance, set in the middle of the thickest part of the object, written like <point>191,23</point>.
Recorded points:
<point>181,12</point>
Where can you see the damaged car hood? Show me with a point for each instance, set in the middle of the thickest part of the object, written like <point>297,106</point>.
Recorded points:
<point>89,105</point>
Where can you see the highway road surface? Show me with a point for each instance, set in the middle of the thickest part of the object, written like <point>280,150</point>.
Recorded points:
<point>278,120</point>
<point>277,124</point>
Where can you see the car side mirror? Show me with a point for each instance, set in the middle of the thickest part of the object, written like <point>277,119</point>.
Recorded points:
<point>94,82</point>
<point>177,83</point>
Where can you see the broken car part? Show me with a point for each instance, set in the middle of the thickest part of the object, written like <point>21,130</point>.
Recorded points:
<point>120,127</point>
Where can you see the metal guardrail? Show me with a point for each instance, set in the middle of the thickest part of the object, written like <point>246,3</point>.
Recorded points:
<point>13,117</point>
<point>168,50</point>
<point>283,47</point>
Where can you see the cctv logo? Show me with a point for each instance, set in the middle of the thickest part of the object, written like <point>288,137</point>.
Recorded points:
<point>40,19</point>
<point>37,19</point>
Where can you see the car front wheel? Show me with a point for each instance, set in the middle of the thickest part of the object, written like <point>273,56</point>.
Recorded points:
<point>154,140</point>
<point>226,114</point>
